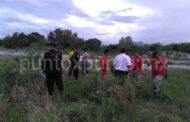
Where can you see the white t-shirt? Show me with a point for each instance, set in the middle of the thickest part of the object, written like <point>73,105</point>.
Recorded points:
<point>121,62</point>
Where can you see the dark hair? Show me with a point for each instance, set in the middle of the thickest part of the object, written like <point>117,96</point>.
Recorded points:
<point>106,51</point>
<point>123,50</point>
<point>85,49</point>
<point>154,54</point>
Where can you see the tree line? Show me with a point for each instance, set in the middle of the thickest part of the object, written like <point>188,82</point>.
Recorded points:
<point>70,39</point>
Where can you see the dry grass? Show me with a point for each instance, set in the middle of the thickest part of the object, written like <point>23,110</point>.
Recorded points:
<point>33,100</point>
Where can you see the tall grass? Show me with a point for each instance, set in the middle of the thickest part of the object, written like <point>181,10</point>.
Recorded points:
<point>23,98</point>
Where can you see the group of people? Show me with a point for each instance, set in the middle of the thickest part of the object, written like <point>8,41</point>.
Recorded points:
<point>51,66</point>
<point>122,67</point>
<point>74,58</point>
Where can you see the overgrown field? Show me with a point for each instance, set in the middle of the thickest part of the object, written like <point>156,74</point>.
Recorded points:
<point>23,98</point>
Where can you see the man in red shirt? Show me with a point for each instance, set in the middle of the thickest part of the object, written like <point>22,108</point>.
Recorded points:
<point>158,71</point>
<point>165,61</point>
<point>104,67</point>
<point>137,65</point>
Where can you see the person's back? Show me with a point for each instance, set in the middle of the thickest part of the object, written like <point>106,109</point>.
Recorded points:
<point>85,57</point>
<point>157,67</point>
<point>71,53</point>
<point>51,64</point>
<point>104,67</point>
<point>121,62</point>
<point>75,58</point>
<point>52,60</point>
<point>158,72</point>
<point>137,66</point>
<point>74,69</point>
<point>137,62</point>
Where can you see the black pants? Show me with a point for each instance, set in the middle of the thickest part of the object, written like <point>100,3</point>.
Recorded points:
<point>54,78</point>
<point>74,71</point>
<point>121,75</point>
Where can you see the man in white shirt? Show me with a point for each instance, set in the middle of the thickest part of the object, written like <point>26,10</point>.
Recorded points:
<point>122,65</point>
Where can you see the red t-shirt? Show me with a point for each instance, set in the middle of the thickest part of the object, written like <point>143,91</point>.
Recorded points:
<point>104,63</point>
<point>158,67</point>
<point>164,60</point>
<point>137,63</point>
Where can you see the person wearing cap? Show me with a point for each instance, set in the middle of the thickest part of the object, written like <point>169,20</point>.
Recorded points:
<point>85,59</point>
<point>74,66</point>
<point>122,65</point>
<point>158,71</point>
<point>51,65</point>
<point>137,65</point>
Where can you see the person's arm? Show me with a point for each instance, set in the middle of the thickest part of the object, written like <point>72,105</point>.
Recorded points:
<point>129,66</point>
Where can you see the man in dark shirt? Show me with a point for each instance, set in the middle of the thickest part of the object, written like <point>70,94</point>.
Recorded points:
<point>51,65</point>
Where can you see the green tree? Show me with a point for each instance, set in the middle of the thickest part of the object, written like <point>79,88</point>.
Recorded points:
<point>127,42</point>
<point>66,37</point>
<point>1,41</point>
<point>36,38</point>
<point>51,36</point>
<point>22,40</point>
<point>155,47</point>
<point>93,44</point>
<point>79,43</point>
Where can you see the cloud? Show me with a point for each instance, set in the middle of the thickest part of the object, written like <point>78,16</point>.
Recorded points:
<point>124,19</point>
<point>108,20</point>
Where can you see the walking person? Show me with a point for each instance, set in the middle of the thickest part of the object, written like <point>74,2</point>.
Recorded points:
<point>51,66</point>
<point>104,67</point>
<point>158,72</point>
<point>74,66</point>
<point>137,65</point>
<point>122,66</point>
<point>85,61</point>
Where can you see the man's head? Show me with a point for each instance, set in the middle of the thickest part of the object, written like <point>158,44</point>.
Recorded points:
<point>74,49</point>
<point>85,49</point>
<point>155,55</point>
<point>106,51</point>
<point>123,50</point>
<point>51,46</point>
<point>136,53</point>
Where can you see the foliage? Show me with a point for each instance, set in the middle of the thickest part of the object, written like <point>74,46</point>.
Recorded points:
<point>126,42</point>
<point>66,37</point>
<point>1,42</point>
<point>22,40</point>
<point>182,47</point>
<point>93,44</point>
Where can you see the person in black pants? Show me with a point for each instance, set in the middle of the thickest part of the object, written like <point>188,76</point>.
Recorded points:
<point>74,68</point>
<point>51,66</point>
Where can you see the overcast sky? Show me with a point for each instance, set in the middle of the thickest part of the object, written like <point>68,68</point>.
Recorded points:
<point>149,21</point>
